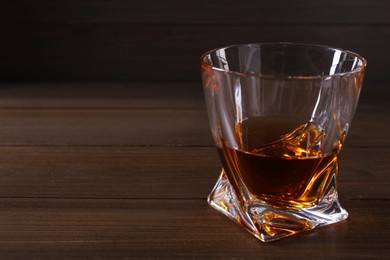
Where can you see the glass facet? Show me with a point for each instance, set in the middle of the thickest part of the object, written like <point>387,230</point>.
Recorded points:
<point>279,114</point>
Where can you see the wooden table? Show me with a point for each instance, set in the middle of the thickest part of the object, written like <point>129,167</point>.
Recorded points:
<point>107,170</point>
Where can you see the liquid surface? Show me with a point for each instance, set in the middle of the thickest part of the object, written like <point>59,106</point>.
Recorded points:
<point>279,161</point>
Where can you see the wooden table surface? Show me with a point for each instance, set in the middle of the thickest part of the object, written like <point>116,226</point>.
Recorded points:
<point>122,170</point>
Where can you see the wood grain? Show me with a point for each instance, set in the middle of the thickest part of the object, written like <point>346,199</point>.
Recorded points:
<point>155,172</point>
<point>110,95</point>
<point>145,127</point>
<point>103,95</point>
<point>122,170</point>
<point>174,229</point>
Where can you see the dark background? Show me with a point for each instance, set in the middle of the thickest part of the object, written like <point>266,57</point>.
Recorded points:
<point>149,40</point>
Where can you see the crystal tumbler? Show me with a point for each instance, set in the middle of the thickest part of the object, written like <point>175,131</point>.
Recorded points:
<point>279,114</point>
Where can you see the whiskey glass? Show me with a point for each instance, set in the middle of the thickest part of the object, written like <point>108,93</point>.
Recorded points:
<point>279,114</point>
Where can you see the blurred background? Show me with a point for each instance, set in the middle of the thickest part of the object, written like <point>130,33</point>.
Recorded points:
<point>150,40</point>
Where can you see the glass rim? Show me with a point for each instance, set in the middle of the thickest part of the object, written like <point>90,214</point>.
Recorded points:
<point>206,65</point>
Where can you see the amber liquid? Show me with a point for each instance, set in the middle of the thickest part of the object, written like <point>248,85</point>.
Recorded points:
<point>278,162</point>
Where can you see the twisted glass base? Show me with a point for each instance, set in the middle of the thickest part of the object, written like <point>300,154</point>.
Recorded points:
<point>268,223</point>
